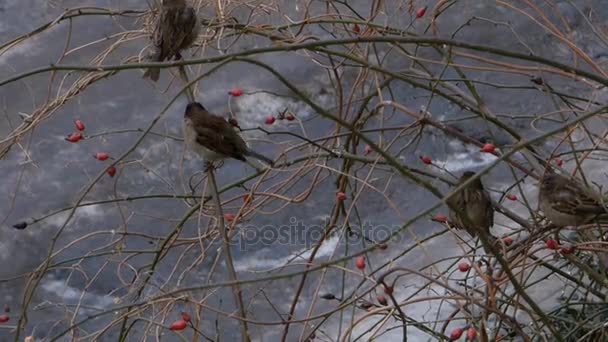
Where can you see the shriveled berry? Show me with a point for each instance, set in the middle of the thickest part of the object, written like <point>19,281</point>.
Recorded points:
<point>567,249</point>
<point>366,305</point>
<point>20,225</point>
<point>328,296</point>
<point>382,300</point>
<point>388,289</point>
<point>508,241</point>
<point>186,317</point>
<point>382,246</point>
<point>356,28</point>
<point>340,196</point>
<point>552,244</point>
<point>289,117</point>
<point>111,171</point>
<point>229,217</point>
<point>511,197</point>
<point>558,161</point>
<point>367,150</point>
<point>537,80</point>
<point>426,159</point>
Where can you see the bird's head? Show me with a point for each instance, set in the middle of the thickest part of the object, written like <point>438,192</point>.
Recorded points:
<point>468,175</point>
<point>193,108</point>
<point>549,180</point>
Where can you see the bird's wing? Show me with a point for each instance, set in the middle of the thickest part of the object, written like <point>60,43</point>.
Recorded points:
<point>574,199</point>
<point>217,135</point>
<point>187,33</point>
<point>489,208</point>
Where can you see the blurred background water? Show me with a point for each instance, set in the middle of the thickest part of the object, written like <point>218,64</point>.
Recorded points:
<point>44,173</point>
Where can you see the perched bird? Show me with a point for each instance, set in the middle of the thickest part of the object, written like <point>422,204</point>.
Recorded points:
<point>214,138</point>
<point>176,29</point>
<point>566,202</point>
<point>471,208</point>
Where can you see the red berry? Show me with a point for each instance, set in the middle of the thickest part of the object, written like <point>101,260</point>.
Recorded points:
<point>236,92</point>
<point>456,334</point>
<point>269,120</point>
<point>74,137</point>
<point>360,262</point>
<point>178,325</point>
<point>552,244</point>
<point>420,12</point>
<point>464,266</point>
<point>289,117</point>
<point>559,162</point>
<point>356,28</point>
<point>440,218</point>
<point>426,159</point>
<point>111,171</point>
<point>512,197</point>
<point>228,217</point>
<point>340,196</point>
<point>508,241</point>
<point>186,317</point>
<point>389,290</point>
<point>382,300</point>
<point>4,318</point>
<point>366,305</point>
<point>567,249</point>
<point>471,334</point>
<point>79,125</point>
<point>367,150</point>
<point>489,148</point>
<point>102,156</point>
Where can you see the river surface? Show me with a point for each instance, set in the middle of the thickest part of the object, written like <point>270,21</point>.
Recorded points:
<point>44,173</point>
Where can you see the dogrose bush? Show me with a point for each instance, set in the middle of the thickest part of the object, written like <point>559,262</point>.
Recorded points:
<point>371,111</point>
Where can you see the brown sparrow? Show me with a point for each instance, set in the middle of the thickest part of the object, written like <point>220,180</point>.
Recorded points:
<point>213,138</point>
<point>471,208</point>
<point>567,202</point>
<point>176,29</point>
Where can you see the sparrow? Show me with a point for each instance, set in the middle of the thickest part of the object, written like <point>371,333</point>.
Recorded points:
<point>567,202</point>
<point>213,138</point>
<point>176,29</point>
<point>471,208</point>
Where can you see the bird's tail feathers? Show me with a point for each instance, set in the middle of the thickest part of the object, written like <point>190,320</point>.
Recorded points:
<point>260,157</point>
<point>152,73</point>
<point>154,56</point>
